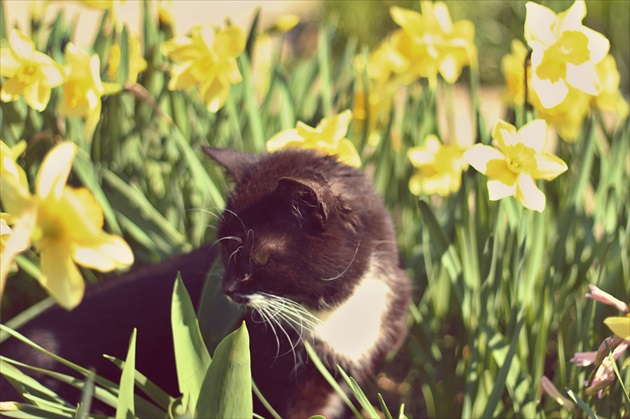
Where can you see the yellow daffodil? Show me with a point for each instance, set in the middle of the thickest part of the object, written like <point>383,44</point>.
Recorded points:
<point>513,168</point>
<point>513,69</point>
<point>610,98</point>
<point>29,73</point>
<point>568,117</point>
<point>432,43</point>
<point>137,63</point>
<point>206,58</point>
<point>564,52</point>
<point>64,225</point>
<point>385,69</point>
<point>439,167</point>
<point>620,326</point>
<point>83,90</point>
<point>329,137</point>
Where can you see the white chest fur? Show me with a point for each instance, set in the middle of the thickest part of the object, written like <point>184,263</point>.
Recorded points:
<point>353,329</point>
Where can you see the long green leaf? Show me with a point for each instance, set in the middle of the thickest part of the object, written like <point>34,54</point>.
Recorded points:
<point>126,407</point>
<point>191,356</point>
<point>227,386</point>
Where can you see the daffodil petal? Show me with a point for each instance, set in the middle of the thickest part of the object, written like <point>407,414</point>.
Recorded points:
<point>284,139</point>
<point>408,19</point>
<point>598,44</point>
<point>11,90</point>
<point>539,20</point>
<point>620,326</point>
<point>347,153</point>
<point>37,96</point>
<point>106,253</point>
<point>334,128</point>
<point>505,134</point>
<point>10,65</point>
<point>442,16</point>
<point>60,276</point>
<point>528,194</point>
<point>584,77</point>
<point>533,135</point>
<point>54,171</point>
<point>551,94</point>
<point>479,155</point>
<point>571,19</point>
<point>229,42</point>
<point>21,45</point>
<point>54,74</point>
<point>214,94</point>
<point>415,183</point>
<point>548,166</point>
<point>499,190</point>
<point>19,241</point>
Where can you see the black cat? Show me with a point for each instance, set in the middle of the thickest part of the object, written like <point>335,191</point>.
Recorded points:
<point>308,249</point>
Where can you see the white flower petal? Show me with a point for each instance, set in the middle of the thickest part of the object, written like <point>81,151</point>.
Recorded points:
<point>479,155</point>
<point>584,77</point>
<point>550,94</point>
<point>54,171</point>
<point>534,135</point>
<point>539,21</point>
<point>499,190</point>
<point>528,194</point>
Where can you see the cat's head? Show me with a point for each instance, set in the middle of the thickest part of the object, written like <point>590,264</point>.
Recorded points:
<point>286,233</point>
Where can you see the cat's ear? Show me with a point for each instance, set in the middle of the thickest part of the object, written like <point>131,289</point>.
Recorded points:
<point>234,162</point>
<point>309,200</point>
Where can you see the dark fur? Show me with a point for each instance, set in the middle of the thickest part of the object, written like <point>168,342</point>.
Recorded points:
<point>315,224</point>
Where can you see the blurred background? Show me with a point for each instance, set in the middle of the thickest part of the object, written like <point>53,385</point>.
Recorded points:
<point>497,22</point>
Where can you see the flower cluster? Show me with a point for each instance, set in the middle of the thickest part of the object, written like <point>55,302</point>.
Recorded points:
<point>207,59</point>
<point>512,167</point>
<point>328,137</point>
<point>63,224</point>
<point>33,74</point>
<point>570,73</point>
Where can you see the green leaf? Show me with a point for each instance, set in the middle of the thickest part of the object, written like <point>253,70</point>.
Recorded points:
<point>581,403</point>
<point>126,407</point>
<point>359,394</point>
<point>384,408</point>
<point>25,384</point>
<point>162,398</point>
<point>506,368</point>
<point>191,356</point>
<point>83,410</point>
<point>227,386</point>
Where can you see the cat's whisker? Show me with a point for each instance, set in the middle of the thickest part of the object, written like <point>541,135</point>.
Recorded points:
<point>347,267</point>
<point>265,316</point>
<point>238,249</point>
<point>238,239</point>
<point>229,211</point>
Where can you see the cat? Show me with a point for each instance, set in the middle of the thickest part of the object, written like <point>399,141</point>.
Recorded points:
<point>309,249</point>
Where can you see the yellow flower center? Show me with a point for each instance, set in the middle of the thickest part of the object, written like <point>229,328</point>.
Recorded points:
<point>27,74</point>
<point>572,47</point>
<point>50,227</point>
<point>520,158</point>
<point>73,94</point>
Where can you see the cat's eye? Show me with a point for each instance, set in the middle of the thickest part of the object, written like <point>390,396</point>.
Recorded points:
<point>261,258</point>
